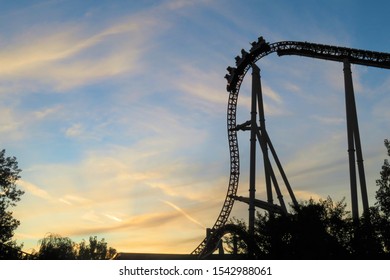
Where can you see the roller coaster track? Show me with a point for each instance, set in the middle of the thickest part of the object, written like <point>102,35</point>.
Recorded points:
<point>235,77</point>
<point>215,238</point>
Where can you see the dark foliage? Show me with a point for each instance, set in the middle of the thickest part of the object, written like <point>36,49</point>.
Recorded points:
<point>9,196</point>
<point>56,247</point>
<point>383,193</point>
<point>324,229</point>
<point>95,250</point>
<point>318,230</point>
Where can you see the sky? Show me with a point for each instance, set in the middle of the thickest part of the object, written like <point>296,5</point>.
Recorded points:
<point>116,111</point>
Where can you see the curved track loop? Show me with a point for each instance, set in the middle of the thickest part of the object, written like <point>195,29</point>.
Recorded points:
<point>217,235</point>
<point>236,75</point>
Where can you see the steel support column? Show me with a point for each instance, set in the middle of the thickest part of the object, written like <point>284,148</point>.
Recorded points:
<point>354,143</point>
<point>252,170</point>
<point>256,84</point>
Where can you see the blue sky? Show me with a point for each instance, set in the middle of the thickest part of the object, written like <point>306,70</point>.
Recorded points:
<point>116,111</point>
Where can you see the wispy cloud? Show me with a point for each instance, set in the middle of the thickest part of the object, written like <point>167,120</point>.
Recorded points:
<point>329,120</point>
<point>42,193</point>
<point>9,122</point>
<point>74,199</point>
<point>380,111</point>
<point>205,89</point>
<point>47,112</point>
<point>119,115</point>
<point>74,131</point>
<point>62,58</point>
<point>35,190</point>
<point>184,213</point>
<point>114,218</point>
<point>144,222</point>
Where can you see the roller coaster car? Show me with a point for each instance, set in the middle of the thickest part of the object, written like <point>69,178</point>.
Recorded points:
<point>231,77</point>
<point>242,61</point>
<point>260,46</point>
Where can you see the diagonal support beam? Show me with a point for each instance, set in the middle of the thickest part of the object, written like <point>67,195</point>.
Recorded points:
<point>281,170</point>
<point>273,208</point>
<point>271,174</point>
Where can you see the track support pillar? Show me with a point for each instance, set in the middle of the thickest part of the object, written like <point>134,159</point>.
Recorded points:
<point>252,171</point>
<point>354,145</point>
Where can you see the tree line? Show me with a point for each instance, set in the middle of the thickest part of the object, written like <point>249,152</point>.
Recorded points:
<point>52,246</point>
<point>323,229</point>
<point>56,247</point>
<point>314,230</point>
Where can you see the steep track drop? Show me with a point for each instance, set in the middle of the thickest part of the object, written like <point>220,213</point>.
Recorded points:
<point>235,77</point>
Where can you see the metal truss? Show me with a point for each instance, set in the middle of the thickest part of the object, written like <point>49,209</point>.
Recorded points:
<point>215,237</point>
<point>235,76</point>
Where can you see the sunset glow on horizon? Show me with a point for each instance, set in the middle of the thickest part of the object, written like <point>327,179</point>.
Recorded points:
<point>116,111</point>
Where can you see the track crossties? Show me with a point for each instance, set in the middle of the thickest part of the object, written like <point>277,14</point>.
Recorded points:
<point>235,76</point>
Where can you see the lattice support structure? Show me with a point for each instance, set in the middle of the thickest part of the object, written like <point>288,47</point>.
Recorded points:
<point>260,49</point>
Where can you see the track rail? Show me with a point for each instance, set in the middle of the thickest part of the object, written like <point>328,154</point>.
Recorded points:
<point>215,238</point>
<point>235,77</point>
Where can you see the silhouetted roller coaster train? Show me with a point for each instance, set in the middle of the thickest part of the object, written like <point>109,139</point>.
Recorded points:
<point>235,77</point>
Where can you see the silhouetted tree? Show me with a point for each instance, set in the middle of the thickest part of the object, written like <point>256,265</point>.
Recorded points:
<point>9,195</point>
<point>314,230</point>
<point>379,216</point>
<point>56,247</point>
<point>369,236</point>
<point>95,250</point>
<point>235,245</point>
<point>324,229</point>
<point>383,193</point>
<point>12,251</point>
